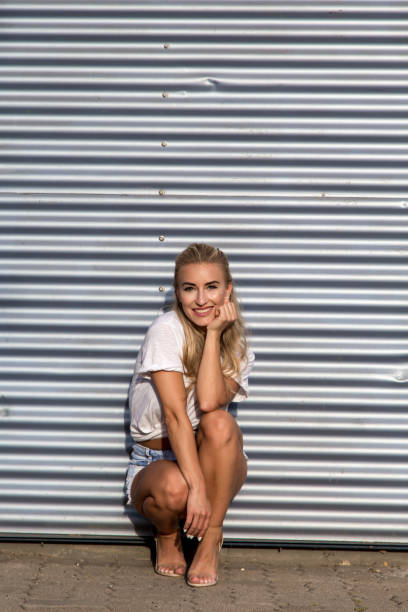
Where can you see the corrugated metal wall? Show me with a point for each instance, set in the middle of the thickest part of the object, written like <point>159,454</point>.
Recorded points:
<point>275,131</point>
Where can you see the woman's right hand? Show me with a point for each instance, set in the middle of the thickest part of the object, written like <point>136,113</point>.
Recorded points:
<point>198,513</point>
<point>223,317</point>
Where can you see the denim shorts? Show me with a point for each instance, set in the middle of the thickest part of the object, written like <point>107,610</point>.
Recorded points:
<point>142,456</point>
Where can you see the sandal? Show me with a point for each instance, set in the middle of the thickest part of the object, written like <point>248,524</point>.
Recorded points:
<point>157,569</point>
<point>206,584</point>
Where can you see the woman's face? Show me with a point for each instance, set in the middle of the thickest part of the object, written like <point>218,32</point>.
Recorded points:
<point>201,288</point>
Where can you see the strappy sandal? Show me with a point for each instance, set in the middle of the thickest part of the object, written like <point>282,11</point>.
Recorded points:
<point>162,572</point>
<point>205,584</point>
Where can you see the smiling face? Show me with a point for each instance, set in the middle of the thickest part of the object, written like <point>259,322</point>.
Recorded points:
<point>200,289</point>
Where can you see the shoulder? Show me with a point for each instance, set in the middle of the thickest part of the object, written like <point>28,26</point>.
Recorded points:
<point>166,320</point>
<point>162,347</point>
<point>166,324</point>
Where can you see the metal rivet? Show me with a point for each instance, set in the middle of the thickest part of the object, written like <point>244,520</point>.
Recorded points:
<point>165,94</point>
<point>161,238</point>
<point>161,289</point>
<point>164,143</point>
<point>162,192</point>
<point>166,45</point>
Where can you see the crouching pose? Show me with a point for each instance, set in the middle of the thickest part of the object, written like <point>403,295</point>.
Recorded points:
<point>188,461</point>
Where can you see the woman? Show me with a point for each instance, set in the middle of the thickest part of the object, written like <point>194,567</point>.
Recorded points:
<point>188,461</point>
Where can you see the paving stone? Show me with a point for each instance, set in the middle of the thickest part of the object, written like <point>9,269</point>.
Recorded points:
<point>78,578</point>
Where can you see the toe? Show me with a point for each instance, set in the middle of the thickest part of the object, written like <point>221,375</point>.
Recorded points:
<point>202,579</point>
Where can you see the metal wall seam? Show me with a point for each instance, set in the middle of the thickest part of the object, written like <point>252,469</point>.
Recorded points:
<point>278,133</point>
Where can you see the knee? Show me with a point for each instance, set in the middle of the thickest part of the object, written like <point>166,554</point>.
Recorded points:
<point>219,426</point>
<point>174,493</point>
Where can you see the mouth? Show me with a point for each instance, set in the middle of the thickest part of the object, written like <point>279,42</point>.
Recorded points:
<point>202,312</point>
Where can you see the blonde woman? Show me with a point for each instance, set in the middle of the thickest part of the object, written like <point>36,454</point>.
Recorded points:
<point>188,461</point>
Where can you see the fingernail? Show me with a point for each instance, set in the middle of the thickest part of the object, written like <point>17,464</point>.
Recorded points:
<point>199,539</point>
<point>190,537</point>
<point>184,530</point>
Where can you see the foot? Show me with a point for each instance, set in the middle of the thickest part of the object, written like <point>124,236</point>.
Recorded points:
<point>204,568</point>
<point>169,555</point>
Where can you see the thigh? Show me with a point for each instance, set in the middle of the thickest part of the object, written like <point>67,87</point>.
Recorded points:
<point>154,480</point>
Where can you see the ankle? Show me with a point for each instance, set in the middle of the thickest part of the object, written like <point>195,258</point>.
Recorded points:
<point>213,535</point>
<point>214,530</point>
<point>219,527</point>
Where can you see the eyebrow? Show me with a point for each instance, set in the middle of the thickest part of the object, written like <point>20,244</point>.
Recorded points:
<point>215,282</point>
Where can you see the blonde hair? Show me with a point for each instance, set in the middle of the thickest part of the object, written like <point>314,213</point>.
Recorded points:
<point>233,342</point>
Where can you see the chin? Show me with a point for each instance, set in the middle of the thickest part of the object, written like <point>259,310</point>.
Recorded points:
<point>200,322</point>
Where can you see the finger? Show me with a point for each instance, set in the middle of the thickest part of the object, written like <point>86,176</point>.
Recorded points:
<point>194,528</point>
<point>230,308</point>
<point>204,527</point>
<point>232,311</point>
<point>226,299</point>
<point>202,518</point>
<point>229,311</point>
<point>226,308</point>
<point>188,521</point>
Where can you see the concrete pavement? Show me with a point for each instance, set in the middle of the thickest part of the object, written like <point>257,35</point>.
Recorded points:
<point>119,578</point>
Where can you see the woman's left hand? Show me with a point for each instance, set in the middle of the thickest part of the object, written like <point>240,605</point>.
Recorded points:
<point>224,316</point>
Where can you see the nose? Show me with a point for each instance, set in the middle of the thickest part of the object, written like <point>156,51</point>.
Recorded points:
<point>201,297</point>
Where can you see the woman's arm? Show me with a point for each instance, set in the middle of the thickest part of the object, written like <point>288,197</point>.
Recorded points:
<point>172,393</point>
<point>213,389</point>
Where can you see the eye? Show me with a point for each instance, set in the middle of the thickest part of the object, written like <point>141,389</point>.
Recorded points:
<point>213,286</point>
<point>188,288</point>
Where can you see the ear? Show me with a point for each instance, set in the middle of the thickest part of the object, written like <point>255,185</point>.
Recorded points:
<point>228,294</point>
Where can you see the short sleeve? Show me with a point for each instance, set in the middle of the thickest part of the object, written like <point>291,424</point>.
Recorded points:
<point>161,350</point>
<point>247,365</point>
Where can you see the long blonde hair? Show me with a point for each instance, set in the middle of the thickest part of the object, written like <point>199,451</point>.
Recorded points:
<point>233,342</point>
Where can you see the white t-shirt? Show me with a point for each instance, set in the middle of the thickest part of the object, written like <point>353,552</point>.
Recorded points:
<point>162,349</point>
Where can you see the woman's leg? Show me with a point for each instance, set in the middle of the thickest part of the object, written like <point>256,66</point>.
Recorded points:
<point>159,492</point>
<point>220,451</point>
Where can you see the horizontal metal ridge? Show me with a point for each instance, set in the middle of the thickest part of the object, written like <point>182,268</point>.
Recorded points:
<point>274,131</point>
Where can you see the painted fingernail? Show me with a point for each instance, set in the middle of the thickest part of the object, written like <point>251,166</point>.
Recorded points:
<point>190,537</point>
<point>184,530</point>
<point>199,539</point>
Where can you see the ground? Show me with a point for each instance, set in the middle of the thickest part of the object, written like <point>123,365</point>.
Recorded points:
<point>78,577</point>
